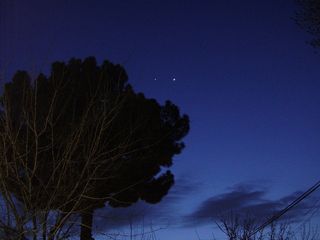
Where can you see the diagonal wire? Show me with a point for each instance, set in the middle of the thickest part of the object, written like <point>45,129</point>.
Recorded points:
<point>287,208</point>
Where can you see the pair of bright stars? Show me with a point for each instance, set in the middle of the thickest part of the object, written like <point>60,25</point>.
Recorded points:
<point>173,79</point>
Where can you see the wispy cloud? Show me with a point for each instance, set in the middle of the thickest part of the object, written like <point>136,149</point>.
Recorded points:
<point>139,213</point>
<point>241,199</point>
<point>246,200</point>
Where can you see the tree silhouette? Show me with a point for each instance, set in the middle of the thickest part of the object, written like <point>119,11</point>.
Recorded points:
<point>309,19</point>
<point>82,138</point>
<point>239,227</point>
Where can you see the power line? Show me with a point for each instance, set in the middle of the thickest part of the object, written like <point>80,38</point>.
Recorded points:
<point>289,207</point>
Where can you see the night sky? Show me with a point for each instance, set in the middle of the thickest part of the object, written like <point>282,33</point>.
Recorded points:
<point>243,72</point>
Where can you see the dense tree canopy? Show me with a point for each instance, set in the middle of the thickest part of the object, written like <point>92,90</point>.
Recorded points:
<point>82,138</point>
<point>308,17</point>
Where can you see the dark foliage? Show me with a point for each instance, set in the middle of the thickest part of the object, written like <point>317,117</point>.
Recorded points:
<point>309,19</point>
<point>82,138</point>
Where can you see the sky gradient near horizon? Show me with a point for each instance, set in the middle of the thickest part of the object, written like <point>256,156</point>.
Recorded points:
<point>241,70</point>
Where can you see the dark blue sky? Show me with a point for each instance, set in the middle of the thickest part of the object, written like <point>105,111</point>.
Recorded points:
<point>244,74</point>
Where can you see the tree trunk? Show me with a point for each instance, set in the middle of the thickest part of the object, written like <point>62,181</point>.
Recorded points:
<point>86,225</point>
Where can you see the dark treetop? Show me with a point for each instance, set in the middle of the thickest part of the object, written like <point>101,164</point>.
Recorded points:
<point>83,137</point>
